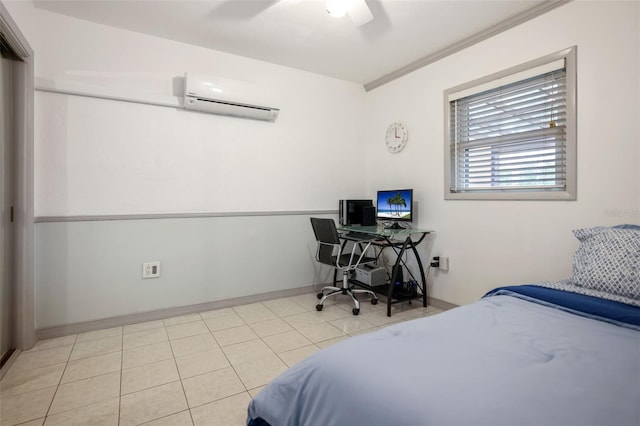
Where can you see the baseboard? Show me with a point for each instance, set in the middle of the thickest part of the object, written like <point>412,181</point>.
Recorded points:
<point>83,327</point>
<point>7,364</point>
<point>440,304</point>
<point>65,330</point>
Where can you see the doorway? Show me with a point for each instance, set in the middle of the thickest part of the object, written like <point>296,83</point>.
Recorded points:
<point>17,321</point>
<point>7,185</point>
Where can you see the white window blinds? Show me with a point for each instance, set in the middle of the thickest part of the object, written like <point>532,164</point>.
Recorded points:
<point>511,137</point>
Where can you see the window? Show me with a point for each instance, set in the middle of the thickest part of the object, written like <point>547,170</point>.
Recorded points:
<point>511,135</point>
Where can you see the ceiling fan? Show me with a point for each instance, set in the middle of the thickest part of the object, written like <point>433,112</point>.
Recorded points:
<point>357,10</point>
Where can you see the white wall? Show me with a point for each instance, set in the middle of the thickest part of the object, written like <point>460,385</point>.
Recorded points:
<point>493,243</point>
<point>108,157</point>
<point>103,157</point>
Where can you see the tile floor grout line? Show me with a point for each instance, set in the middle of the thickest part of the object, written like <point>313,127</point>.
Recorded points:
<point>121,373</point>
<point>66,365</point>
<point>184,392</point>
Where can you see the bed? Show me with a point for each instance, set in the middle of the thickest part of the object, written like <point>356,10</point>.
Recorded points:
<point>557,353</point>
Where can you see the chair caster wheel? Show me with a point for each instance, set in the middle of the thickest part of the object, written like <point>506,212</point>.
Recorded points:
<point>374,301</point>
<point>355,311</point>
<point>319,295</point>
<point>318,307</point>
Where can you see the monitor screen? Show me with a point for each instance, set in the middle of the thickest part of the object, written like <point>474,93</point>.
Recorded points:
<point>395,205</point>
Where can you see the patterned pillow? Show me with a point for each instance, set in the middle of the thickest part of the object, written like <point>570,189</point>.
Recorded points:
<point>628,226</point>
<point>608,260</point>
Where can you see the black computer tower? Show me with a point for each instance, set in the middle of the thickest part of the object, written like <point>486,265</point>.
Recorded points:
<point>351,211</point>
<point>368,216</point>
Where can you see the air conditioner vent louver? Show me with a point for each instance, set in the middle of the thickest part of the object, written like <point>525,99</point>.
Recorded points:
<point>226,97</point>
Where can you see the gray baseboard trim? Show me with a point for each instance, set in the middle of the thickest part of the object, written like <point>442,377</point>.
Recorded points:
<point>440,304</point>
<point>83,327</point>
<point>7,365</point>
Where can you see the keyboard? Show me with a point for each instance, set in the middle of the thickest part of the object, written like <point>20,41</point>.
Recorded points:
<point>359,236</point>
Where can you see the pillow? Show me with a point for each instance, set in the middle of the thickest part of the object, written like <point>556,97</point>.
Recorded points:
<point>627,226</point>
<point>608,260</point>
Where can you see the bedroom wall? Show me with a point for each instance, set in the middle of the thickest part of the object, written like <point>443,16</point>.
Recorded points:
<point>255,182</point>
<point>494,243</point>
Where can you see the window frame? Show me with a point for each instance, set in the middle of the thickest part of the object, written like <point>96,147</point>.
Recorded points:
<point>570,191</point>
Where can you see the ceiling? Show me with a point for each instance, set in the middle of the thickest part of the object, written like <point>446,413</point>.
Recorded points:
<point>403,35</point>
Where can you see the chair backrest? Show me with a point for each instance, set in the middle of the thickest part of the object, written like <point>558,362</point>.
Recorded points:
<point>327,238</point>
<point>325,230</point>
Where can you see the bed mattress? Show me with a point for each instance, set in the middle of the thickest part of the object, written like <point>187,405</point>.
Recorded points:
<point>511,358</point>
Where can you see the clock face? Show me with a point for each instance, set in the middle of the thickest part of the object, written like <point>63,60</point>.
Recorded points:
<point>397,136</point>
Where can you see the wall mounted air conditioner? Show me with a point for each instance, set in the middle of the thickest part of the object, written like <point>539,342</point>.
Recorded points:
<point>217,95</point>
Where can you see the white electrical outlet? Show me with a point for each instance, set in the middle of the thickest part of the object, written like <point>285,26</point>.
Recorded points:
<point>444,263</point>
<point>151,270</point>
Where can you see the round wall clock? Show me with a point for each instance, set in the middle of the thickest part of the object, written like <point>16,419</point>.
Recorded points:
<point>397,136</point>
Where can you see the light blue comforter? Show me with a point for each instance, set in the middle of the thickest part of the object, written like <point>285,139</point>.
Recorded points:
<point>498,361</point>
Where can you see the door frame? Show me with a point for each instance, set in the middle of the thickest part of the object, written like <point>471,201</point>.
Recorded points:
<point>23,321</point>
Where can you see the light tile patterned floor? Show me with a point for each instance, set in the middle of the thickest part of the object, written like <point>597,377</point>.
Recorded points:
<point>198,369</point>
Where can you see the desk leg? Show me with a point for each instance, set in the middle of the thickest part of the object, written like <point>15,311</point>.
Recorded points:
<point>422,277</point>
<point>398,263</point>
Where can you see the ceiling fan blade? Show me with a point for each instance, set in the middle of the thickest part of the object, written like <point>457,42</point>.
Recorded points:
<point>239,10</point>
<point>359,12</point>
<point>281,4</point>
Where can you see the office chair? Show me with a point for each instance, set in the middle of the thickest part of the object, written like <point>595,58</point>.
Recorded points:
<point>328,244</point>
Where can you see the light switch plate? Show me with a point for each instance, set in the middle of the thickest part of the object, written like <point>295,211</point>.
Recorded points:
<point>151,270</point>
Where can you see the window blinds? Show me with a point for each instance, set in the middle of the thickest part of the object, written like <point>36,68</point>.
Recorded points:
<point>511,137</point>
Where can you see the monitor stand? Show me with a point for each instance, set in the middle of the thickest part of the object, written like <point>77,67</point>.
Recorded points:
<point>395,225</point>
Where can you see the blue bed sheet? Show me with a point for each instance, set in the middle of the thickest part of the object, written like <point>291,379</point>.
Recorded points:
<point>510,358</point>
<point>589,306</point>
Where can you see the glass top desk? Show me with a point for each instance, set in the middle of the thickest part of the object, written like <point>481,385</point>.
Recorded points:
<point>400,240</point>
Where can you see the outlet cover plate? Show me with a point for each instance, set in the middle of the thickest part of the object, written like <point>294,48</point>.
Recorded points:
<point>150,270</point>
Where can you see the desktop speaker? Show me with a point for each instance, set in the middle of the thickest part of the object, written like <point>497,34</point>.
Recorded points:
<point>368,216</point>
<point>397,277</point>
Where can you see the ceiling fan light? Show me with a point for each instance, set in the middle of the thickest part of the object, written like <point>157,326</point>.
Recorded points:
<point>336,8</point>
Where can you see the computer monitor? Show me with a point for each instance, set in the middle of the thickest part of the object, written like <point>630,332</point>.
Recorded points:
<point>394,206</point>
